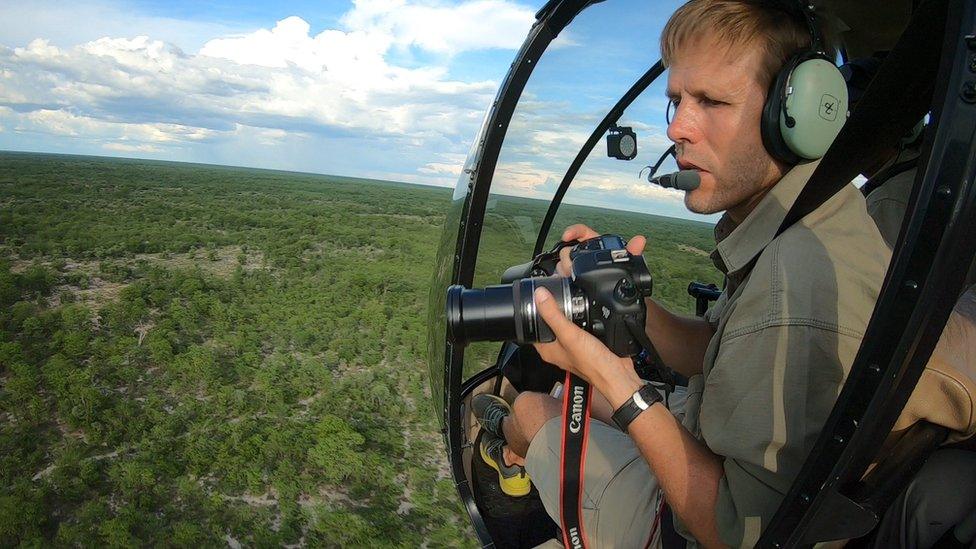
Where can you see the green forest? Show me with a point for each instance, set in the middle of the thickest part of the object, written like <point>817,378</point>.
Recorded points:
<point>214,356</point>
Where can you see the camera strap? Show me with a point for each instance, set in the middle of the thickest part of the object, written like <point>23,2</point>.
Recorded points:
<point>576,427</point>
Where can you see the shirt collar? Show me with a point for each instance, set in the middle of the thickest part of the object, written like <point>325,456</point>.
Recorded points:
<point>736,245</point>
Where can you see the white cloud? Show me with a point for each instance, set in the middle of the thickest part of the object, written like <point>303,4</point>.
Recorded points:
<point>624,185</point>
<point>123,147</point>
<point>263,136</point>
<point>289,43</point>
<point>441,168</point>
<point>474,25</point>
<point>282,78</point>
<point>64,123</point>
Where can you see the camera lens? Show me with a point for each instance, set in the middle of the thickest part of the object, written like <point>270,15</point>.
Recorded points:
<point>480,315</point>
<point>507,312</point>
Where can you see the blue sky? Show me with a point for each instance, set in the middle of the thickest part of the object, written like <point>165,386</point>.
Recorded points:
<point>388,89</point>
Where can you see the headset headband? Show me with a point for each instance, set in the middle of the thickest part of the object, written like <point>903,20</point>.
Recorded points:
<point>810,18</point>
<point>799,10</point>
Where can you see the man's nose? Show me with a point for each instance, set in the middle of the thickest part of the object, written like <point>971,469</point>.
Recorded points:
<point>682,127</point>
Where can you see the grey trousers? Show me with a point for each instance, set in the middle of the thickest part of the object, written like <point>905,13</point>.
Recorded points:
<point>941,498</point>
<point>621,496</point>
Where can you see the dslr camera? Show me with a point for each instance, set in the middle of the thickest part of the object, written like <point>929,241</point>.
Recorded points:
<point>604,296</point>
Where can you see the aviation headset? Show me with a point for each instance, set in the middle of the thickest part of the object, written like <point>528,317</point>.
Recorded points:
<point>807,102</point>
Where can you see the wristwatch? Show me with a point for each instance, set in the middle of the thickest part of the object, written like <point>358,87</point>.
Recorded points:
<point>641,400</point>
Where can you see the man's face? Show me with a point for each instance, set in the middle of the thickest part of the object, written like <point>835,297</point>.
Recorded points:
<point>719,101</point>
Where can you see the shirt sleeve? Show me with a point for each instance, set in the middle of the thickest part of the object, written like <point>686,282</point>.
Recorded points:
<point>764,403</point>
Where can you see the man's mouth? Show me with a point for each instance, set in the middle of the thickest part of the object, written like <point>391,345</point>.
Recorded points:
<point>685,165</point>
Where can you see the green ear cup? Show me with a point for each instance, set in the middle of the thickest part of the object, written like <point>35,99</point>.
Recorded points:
<point>815,108</point>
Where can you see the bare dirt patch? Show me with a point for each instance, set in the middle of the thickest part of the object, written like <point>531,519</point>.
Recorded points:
<point>693,250</point>
<point>18,266</point>
<point>220,262</point>
<point>98,293</point>
<point>404,217</point>
<point>266,499</point>
<point>335,496</point>
<point>366,252</point>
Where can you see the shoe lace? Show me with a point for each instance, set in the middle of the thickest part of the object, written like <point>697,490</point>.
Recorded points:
<point>496,449</point>
<point>495,445</point>
<point>493,419</point>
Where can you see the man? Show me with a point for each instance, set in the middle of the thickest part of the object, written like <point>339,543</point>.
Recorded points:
<point>938,507</point>
<point>769,358</point>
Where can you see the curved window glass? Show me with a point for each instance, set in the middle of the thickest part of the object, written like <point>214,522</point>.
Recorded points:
<point>581,76</point>
<point>443,276</point>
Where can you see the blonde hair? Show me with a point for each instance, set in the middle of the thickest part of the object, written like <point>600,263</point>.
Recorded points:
<point>737,23</point>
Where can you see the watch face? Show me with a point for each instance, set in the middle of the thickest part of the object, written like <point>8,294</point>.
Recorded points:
<point>627,145</point>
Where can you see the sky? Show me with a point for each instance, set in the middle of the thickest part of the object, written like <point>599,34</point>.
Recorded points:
<point>384,89</point>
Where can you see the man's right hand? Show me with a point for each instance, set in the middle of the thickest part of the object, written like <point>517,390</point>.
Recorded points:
<point>579,233</point>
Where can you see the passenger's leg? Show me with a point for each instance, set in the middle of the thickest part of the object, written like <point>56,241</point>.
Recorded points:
<point>530,412</point>
<point>621,499</point>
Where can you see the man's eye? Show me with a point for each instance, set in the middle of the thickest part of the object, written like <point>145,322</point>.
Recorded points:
<point>711,102</point>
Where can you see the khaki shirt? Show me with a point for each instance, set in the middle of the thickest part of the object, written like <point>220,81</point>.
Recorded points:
<point>787,328</point>
<point>887,205</point>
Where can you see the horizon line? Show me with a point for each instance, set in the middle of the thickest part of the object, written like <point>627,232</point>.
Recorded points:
<point>320,174</point>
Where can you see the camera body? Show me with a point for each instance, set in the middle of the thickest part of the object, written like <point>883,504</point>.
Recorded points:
<point>614,283</point>
<point>604,296</point>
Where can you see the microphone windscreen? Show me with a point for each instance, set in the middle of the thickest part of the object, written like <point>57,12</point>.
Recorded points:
<point>684,180</point>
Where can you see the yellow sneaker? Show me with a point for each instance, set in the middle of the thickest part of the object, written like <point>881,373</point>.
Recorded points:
<point>512,479</point>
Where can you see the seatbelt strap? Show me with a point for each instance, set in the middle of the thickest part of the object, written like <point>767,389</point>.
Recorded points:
<point>576,427</point>
<point>884,175</point>
<point>897,98</point>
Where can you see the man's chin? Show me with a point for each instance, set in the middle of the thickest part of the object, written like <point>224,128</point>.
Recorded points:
<point>699,204</point>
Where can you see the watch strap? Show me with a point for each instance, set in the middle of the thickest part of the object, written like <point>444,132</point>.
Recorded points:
<point>641,400</point>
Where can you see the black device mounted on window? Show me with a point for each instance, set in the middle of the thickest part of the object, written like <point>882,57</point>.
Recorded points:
<point>621,143</point>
